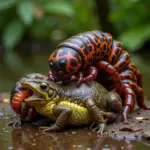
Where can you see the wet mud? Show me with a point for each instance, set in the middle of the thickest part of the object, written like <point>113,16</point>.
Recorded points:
<point>137,128</point>
<point>133,136</point>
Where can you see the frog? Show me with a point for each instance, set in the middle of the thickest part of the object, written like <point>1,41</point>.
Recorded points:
<point>90,104</point>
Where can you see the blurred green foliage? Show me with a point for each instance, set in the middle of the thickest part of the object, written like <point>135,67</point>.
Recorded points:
<point>56,20</point>
<point>40,18</point>
<point>59,19</point>
<point>132,21</point>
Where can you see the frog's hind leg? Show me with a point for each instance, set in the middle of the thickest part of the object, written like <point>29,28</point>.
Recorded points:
<point>96,115</point>
<point>63,114</point>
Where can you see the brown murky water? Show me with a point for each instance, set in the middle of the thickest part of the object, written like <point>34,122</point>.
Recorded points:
<point>29,137</point>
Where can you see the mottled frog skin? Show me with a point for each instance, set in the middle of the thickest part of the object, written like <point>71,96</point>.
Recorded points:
<point>71,105</point>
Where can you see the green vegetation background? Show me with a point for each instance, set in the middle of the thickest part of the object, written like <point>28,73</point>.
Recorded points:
<point>127,20</point>
<point>32,25</point>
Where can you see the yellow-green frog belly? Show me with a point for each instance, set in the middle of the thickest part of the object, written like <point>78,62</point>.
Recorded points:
<point>79,116</point>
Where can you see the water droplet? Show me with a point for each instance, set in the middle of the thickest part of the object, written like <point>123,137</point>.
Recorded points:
<point>105,148</point>
<point>36,134</point>
<point>6,118</point>
<point>73,132</point>
<point>3,129</point>
<point>79,146</point>
<point>1,114</point>
<point>10,148</point>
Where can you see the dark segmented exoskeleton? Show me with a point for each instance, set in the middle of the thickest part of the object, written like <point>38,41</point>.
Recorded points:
<point>83,56</point>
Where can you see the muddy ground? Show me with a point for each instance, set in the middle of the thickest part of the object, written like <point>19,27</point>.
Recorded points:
<point>137,128</point>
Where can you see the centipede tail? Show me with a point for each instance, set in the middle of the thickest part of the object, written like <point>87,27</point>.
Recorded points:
<point>18,99</point>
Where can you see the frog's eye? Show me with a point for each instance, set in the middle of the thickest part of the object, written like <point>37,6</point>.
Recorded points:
<point>43,86</point>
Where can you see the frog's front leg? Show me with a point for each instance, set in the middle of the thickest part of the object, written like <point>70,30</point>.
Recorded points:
<point>96,115</point>
<point>63,114</point>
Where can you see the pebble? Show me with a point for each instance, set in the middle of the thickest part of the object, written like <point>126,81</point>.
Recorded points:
<point>10,148</point>
<point>146,135</point>
<point>1,114</point>
<point>140,121</point>
<point>106,146</point>
<point>138,113</point>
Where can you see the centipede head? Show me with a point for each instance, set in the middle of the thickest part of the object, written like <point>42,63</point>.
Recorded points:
<point>64,62</point>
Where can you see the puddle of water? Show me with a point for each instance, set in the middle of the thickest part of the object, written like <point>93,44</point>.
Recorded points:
<point>31,138</point>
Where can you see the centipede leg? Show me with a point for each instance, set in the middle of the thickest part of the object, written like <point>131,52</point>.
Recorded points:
<point>108,68</point>
<point>128,75</point>
<point>92,74</point>
<point>129,101</point>
<point>50,76</point>
<point>133,68</point>
<point>139,92</point>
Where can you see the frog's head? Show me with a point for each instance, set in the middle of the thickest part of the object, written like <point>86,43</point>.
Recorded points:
<point>43,91</point>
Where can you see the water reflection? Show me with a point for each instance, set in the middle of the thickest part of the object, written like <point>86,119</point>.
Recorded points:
<point>31,138</point>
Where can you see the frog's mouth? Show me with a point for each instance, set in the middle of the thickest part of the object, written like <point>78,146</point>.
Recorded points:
<point>34,96</point>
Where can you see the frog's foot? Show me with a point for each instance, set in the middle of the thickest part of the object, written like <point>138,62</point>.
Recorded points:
<point>16,122</point>
<point>99,128</point>
<point>50,129</point>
